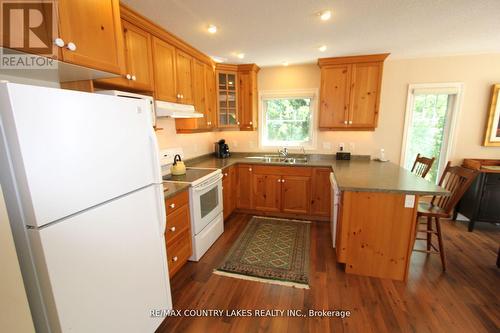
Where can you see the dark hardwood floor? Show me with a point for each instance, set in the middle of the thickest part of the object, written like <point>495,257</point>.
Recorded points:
<point>464,299</point>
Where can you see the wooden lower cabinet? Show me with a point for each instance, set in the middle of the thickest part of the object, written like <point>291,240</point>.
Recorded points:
<point>244,193</point>
<point>266,192</point>
<point>228,191</point>
<point>296,194</point>
<point>321,192</point>
<point>178,232</point>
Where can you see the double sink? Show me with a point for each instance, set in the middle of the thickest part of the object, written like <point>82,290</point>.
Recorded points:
<point>279,159</point>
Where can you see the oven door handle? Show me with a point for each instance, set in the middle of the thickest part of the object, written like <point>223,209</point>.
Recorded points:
<point>199,189</point>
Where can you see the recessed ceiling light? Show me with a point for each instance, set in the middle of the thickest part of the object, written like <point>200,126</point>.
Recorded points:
<point>240,55</point>
<point>325,15</point>
<point>322,48</point>
<point>218,59</point>
<point>285,63</point>
<point>212,29</point>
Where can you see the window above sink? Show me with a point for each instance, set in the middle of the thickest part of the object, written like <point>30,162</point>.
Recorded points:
<point>288,119</point>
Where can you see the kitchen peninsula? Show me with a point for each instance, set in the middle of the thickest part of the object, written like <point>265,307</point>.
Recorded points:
<point>378,202</point>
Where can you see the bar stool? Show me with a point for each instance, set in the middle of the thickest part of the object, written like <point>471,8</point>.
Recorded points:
<point>422,165</point>
<point>456,180</point>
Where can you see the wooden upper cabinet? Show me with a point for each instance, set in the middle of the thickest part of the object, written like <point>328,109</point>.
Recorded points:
<point>138,59</point>
<point>184,69</point>
<point>164,69</point>
<point>210,96</point>
<point>248,97</point>
<point>365,92</point>
<point>199,90</point>
<point>334,104</point>
<point>94,28</point>
<point>138,56</point>
<point>350,92</point>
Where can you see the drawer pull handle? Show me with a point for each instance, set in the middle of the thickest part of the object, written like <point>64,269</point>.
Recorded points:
<point>172,205</point>
<point>174,259</point>
<point>172,229</point>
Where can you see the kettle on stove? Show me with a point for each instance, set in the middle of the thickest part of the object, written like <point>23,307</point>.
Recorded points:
<point>178,168</point>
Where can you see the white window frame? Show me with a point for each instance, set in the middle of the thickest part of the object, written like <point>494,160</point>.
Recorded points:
<point>297,93</point>
<point>450,126</point>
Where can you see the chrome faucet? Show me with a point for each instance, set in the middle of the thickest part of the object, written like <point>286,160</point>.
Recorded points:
<point>283,152</point>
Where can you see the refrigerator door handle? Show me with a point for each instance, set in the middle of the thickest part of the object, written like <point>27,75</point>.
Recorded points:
<point>162,215</point>
<point>155,156</point>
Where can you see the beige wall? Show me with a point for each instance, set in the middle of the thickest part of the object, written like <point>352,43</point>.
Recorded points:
<point>477,72</point>
<point>192,144</point>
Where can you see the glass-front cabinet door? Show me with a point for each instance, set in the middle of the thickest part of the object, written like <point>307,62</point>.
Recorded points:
<point>228,99</point>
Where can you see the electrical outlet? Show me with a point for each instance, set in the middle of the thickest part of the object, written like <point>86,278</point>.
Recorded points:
<point>409,201</point>
<point>251,144</point>
<point>327,145</point>
<point>341,146</point>
<point>234,144</point>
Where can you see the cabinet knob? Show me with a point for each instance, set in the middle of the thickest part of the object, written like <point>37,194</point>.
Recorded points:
<point>182,96</point>
<point>238,122</point>
<point>279,180</point>
<point>71,46</point>
<point>174,259</point>
<point>59,42</point>
<point>178,95</point>
<point>350,122</point>
<point>345,122</point>
<point>172,205</point>
<point>282,180</point>
<point>225,175</point>
<point>249,169</point>
<point>172,229</point>
<point>134,78</point>
<point>128,76</point>
<point>251,123</point>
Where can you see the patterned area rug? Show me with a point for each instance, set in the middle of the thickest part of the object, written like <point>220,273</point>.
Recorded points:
<point>271,250</point>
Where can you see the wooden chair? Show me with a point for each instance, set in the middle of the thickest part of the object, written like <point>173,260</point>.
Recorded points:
<point>456,180</point>
<point>422,165</point>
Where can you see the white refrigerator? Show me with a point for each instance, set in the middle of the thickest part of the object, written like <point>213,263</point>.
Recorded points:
<point>83,188</point>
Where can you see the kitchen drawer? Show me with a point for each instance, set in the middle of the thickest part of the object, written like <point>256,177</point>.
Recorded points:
<point>493,178</point>
<point>178,252</point>
<point>174,203</point>
<point>177,222</point>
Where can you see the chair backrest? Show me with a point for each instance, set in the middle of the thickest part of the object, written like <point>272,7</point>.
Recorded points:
<point>457,180</point>
<point>422,165</point>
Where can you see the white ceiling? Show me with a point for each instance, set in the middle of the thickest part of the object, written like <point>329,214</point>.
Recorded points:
<point>274,31</point>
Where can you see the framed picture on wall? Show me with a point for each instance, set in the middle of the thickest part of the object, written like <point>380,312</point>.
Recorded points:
<point>492,132</point>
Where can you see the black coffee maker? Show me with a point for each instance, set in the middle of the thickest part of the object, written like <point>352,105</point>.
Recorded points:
<point>222,149</point>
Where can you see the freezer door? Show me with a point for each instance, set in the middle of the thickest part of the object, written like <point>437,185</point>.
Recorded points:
<point>72,150</point>
<point>104,270</point>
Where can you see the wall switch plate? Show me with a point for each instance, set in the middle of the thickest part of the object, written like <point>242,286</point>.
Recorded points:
<point>409,201</point>
<point>327,145</point>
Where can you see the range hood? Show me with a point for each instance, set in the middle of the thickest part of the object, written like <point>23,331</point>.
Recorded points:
<point>175,110</point>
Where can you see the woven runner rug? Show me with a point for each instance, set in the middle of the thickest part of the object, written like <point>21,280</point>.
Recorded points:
<point>271,250</point>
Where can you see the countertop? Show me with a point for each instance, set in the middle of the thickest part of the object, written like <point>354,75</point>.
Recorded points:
<point>359,175</point>
<point>170,189</point>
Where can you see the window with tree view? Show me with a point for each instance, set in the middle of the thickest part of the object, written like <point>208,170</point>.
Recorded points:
<point>287,121</point>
